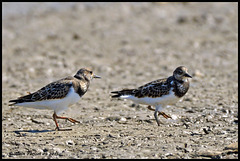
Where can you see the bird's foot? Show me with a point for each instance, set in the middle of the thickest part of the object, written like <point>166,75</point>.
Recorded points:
<point>58,129</point>
<point>72,120</point>
<point>164,115</point>
<point>150,108</point>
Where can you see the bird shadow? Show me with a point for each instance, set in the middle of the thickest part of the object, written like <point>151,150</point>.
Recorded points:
<point>32,131</point>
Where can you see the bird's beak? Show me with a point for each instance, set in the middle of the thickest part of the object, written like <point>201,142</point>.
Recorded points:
<point>187,75</point>
<point>96,76</point>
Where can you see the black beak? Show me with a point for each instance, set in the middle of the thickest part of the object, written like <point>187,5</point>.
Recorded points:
<point>96,76</point>
<point>187,75</point>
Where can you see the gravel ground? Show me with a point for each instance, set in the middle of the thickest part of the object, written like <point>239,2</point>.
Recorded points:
<point>128,45</point>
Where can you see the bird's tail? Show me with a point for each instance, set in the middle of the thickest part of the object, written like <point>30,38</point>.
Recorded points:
<point>14,102</point>
<point>22,99</point>
<point>122,93</point>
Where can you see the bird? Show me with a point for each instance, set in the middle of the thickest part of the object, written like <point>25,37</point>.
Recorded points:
<point>58,95</point>
<point>159,93</point>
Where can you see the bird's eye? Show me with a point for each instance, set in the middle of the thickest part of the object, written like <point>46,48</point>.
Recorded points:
<point>91,72</point>
<point>180,72</point>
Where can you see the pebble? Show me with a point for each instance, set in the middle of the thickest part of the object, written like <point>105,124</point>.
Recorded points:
<point>40,150</point>
<point>113,118</point>
<point>174,117</point>
<point>70,142</point>
<point>94,148</point>
<point>122,120</point>
<point>209,118</point>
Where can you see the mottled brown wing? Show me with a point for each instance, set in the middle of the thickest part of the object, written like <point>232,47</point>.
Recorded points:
<point>153,89</point>
<point>55,90</point>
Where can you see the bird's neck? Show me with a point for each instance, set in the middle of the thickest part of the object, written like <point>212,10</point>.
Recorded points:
<point>78,77</point>
<point>178,81</point>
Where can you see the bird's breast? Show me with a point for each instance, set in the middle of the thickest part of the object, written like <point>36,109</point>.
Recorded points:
<point>72,97</point>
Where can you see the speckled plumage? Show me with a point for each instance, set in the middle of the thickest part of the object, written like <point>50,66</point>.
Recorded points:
<point>58,89</point>
<point>58,95</point>
<point>159,93</point>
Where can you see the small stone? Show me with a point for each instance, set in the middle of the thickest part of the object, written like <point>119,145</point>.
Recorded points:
<point>40,150</point>
<point>209,118</point>
<point>45,150</point>
<point>122,120</point>
<point>174,117</point>
<point>205,131</point>
<point>111,136</point>
<point>70,142</point>
<point>113,118</point>
<point>98,136</point>
<point>94,148</point>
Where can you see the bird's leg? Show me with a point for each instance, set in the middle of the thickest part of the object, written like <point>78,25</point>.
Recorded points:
<point>67,118</point>
<point>150,108</point>
<point>155,114</point>
<point>164,115</point>
<point>55,116</point>
<point>156,117</point>
<point>55,120</point>
<point>160,113</point>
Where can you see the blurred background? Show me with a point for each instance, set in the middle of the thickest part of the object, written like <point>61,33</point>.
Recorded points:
<point>128,45</point>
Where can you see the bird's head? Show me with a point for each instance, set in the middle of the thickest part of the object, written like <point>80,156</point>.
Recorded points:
<point>181,74</point>
<point>86,74</point>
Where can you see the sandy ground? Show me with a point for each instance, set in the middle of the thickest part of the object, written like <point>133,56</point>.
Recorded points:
<point>128,44</point>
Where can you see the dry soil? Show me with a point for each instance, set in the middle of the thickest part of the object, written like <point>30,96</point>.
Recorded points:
<point>128,45</point>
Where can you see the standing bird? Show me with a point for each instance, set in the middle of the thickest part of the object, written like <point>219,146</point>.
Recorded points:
<point>159,93</point>
<point>58,95</point>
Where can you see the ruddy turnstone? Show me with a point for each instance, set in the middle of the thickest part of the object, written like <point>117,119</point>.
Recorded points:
<point>58,95</point>
<point>159,93</point>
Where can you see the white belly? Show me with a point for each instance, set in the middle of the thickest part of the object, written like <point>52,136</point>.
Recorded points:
<point>58,105</point>
<point>164,100</point>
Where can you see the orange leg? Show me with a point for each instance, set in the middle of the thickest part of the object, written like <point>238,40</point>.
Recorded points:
<point>164,115</point>
<point>160,113</point>
<point>150,108</point>
<point>55,117</point>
